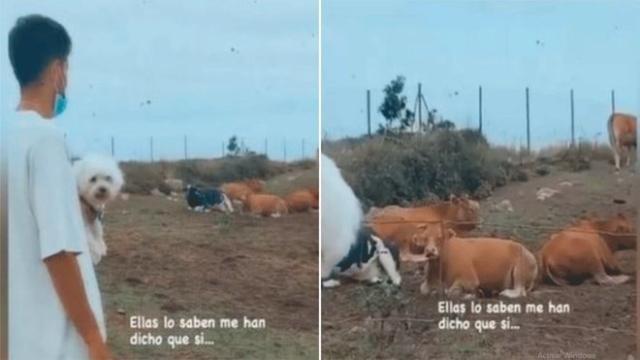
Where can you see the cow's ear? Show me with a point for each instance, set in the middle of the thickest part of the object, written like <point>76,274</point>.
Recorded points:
<point>451,233</point>
<point>422,226</point>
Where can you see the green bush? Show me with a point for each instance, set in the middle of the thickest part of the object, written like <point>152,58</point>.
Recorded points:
<point>143,177</point>
<point>408,168</point>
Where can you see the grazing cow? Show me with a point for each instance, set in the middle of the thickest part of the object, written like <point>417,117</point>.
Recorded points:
<point>622,136</point>
<point>204,199</point>
<point>474,266</point>
<point>239,191</point>
<point>585,250</point>
<point>266,205</point>
<point>341,219</point>
<point>367,255</point>
<point>301,201</point>
<point>399,224</point>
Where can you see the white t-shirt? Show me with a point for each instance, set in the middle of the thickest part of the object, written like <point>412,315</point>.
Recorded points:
<point>44,219</point>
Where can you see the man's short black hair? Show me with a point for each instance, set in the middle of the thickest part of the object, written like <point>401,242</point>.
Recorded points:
<point>34,42</point>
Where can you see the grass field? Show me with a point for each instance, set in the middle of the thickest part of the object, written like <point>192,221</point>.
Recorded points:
<point>165,260</point>
<point>381,322</point>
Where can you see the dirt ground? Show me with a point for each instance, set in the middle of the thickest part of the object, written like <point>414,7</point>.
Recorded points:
<point>381,322</point>
<point>164,260</point>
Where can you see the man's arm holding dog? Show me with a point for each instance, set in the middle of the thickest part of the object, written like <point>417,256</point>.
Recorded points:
<point>67,280</point>
<point>57,211</point>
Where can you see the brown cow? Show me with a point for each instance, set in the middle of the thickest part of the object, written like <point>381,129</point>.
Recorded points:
<point>398,224</point>
<point>301,201</point>
<point>316,196</point>
<point>473,266</point>
<point>239,191</point>
<point>585,250</point>
<point>622,136</point>
<point>266,205</point>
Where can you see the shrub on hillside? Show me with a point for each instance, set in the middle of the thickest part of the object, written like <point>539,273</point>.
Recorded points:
<point>400,169</point>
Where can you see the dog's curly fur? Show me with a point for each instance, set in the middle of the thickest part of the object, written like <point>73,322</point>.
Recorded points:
<point>99,180</point>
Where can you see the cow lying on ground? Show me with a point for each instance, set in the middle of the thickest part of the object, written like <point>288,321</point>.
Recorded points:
<point>367,258</point>
<point>239,191</point>
<point>398,225</point>
<point>266,205</point>
<point>205,199</point>
<point>585,250</point>
<point>622,136</point>
<point>473,266</point>
<point>301,201</point>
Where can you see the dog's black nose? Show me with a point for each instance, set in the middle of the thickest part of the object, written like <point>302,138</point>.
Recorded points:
<point>102,190</point>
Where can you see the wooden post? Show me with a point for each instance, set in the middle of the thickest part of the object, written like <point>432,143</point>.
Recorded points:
<point>185,148</point>
<point>419,107</point>
<point>284,149</point>
<point>480,109</point>
<point>222,148</point>
<point>528,122</point>
<point>573,139</point>
<point>369,112</point>
<point>613,101</point>
<point>266,148</point>
<point>113,147</point>
<point>151,148</point>
<point>302,148</point>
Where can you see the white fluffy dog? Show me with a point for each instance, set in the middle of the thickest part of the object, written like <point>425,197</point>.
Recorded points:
<point>99,181</point>
<point>341,218</point>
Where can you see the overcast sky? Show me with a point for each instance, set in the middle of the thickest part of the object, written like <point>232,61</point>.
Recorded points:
<point>455,46</point>
<point>205,69</point>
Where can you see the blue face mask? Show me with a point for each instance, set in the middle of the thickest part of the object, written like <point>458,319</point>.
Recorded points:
<point>59,104</point>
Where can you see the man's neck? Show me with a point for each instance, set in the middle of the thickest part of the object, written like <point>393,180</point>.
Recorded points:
<point>36,99</point>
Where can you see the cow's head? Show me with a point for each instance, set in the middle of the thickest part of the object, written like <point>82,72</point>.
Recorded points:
<point>463,211</point>
<point>618,232</point>
<point>429,240</point>
<point>256,185</point>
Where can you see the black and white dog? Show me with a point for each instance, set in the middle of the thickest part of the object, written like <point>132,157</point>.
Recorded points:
<point>366,257</point>
<point>202,200</point>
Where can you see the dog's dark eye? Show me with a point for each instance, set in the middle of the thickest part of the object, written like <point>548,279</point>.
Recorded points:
<point>93,179</point>
<point>109,179</point>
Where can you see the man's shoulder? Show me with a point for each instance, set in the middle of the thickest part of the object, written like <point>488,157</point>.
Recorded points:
<point>28,127</point>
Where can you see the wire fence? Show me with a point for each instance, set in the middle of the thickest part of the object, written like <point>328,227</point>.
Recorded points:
<point>172,148</point>
<point>533,121</point>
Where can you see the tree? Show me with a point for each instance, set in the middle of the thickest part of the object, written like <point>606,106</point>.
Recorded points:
<point>393,107</point>
<point>232,147</point>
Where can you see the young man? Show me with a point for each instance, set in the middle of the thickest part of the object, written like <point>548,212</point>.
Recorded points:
<point>55,311</point>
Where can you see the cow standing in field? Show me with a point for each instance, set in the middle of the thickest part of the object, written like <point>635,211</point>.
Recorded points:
<point>622,136</point>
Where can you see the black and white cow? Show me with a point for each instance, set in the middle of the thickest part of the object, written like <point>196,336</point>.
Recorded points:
<point>367,256</point>
<point>202,200</point>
